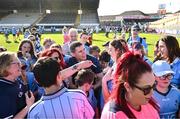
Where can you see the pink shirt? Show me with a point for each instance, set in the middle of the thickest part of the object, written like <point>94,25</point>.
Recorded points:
<point>66,38</point>
<point>147,111</point>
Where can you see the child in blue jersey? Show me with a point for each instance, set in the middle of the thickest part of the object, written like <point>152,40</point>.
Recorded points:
<point>166,95</point>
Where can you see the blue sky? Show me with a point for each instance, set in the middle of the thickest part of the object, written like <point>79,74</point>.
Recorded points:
<point>113,7</point>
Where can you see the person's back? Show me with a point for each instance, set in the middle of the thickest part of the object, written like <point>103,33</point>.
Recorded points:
<point>58,102</point>
<point>63,104</point>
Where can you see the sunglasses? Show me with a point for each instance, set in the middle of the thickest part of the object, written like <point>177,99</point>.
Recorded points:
<point>146,90</point>
<point>56,58</point>
<point>164,77</point>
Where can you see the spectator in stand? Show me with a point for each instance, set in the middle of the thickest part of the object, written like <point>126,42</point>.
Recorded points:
<point>73,36</point>
<point>135,38</point>
<point>132,94</point>
<point>170,51</point>
<point>58,101</point>
<point>94,51</point>
<point>13,100</point>
<point>167,96</point>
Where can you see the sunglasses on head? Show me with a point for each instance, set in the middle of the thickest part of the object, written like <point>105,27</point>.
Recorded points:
<point>164,77</point>
<point>146,90</point>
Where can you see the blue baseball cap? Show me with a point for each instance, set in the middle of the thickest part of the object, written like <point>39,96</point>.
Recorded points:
<point>161,67</point>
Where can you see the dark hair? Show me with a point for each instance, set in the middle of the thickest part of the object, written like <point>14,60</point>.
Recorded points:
<point>49,52</point>
<point>94,48</point>
<point>172,47</point>
<point>83,33</point>
<point>2,49</point>
<point>46,70</point>
<point>118,46</point>
<point>74,45</point>
<point>84,76</point>
<point>46,40</point>
<point>130,68</point>
<point>32,51</point>
<point>58,46</point>
<point>104,56</point>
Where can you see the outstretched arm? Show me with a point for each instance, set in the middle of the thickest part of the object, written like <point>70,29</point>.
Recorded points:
<point>75,68</point>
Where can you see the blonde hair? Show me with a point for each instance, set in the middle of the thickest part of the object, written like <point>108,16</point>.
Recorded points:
<point>73,30</point>
<point>5,60</point>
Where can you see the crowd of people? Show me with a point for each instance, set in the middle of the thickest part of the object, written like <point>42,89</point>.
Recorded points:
<point>78,80</point>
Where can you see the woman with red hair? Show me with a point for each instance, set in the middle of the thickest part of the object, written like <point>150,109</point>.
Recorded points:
<point>54,53</point>
<point>133,89</point>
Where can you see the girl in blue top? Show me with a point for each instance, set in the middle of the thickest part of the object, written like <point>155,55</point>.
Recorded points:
<point>170,51</point>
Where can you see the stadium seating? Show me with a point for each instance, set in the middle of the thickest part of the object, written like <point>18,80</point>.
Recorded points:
<point>59,18</point>
<point>62,12</point>
<point>20,19</point>
<point>89,17</point>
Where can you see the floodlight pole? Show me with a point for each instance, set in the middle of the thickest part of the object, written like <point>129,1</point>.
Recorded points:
<point>80,12</point>
<point>40,11</point>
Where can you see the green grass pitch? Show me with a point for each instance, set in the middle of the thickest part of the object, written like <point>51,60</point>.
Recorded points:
<point>98,39</point>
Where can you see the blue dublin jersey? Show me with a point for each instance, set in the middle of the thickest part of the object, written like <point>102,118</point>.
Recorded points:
<point>169,102</point>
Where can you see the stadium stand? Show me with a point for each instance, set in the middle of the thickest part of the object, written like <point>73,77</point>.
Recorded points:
<point>61,18</point>
<point>3,14</point>
<point>90,17</point>
<point>63,12</point>
<point>19,19</point>
<point>169,24</point>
